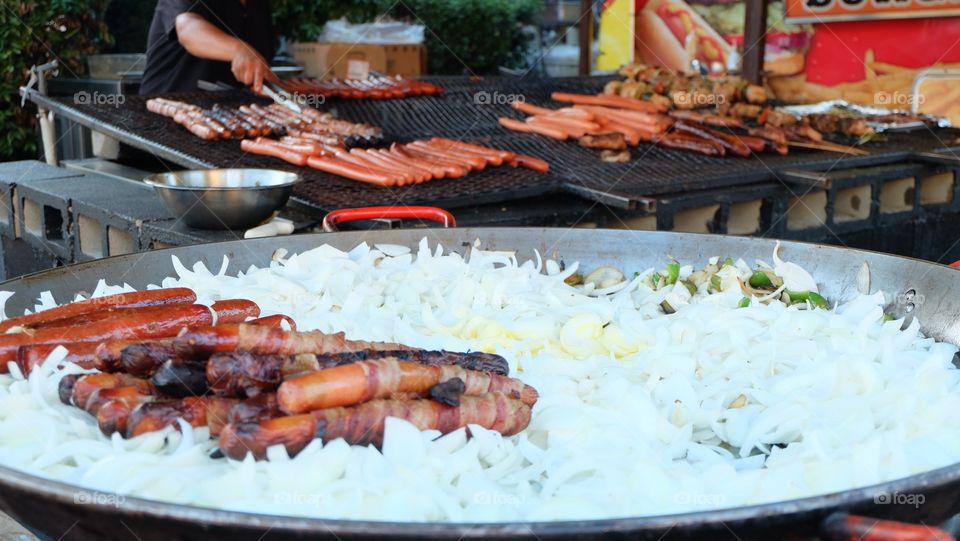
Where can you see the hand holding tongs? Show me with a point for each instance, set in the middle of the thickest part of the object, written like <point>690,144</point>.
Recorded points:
<point>280,96</point>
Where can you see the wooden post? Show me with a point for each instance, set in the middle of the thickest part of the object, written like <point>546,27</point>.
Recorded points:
<point>754,38</point>
<point>586,36</point>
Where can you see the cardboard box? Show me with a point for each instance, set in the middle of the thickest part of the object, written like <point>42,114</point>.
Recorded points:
<point>333,60</point>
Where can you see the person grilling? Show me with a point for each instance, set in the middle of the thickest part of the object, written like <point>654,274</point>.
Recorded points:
<point>226,41</point>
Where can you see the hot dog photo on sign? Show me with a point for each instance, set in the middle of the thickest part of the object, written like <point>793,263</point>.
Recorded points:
<point>671,34</point>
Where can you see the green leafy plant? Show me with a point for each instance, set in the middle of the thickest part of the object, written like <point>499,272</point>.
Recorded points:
<point>32,33</point>
<point>471,36</point>
<point>462,36</point>
<point>303,20</point>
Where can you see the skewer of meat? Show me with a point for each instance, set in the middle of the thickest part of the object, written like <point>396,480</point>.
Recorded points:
<point>364,424</point>
<point>729,143</point>
<point>708,119</point>
<point>690,143</point>
<point>351,384</point>
<point>198,342</point>
<point>247,374</point>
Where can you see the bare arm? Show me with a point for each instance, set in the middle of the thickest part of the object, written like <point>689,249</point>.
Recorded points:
<point>204,40</point>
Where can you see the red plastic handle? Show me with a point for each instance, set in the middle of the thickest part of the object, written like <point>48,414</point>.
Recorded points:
<point>843,527</point>
<point>955,264</point>
<point>333,219</point>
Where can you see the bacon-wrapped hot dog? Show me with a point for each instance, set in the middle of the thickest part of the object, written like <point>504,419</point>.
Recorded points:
<point>358,382</point>
<point>112,416</point>
<point>143,358</point>
<point>82,388</point>
<point>180,378</point>
<point>209,411</point>
<point>131,394</point>
<point>248,374</point>
<point>198,342</point>
<point>364,424</point>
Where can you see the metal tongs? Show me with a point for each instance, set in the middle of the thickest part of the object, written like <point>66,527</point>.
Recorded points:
<point>280,96</point>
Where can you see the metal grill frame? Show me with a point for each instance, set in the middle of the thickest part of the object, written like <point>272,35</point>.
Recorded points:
<point>468,109</point>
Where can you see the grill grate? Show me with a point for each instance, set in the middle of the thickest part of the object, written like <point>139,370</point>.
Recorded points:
<point>468,109</point>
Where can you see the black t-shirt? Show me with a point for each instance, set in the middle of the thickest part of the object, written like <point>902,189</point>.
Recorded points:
<point>170,68</point>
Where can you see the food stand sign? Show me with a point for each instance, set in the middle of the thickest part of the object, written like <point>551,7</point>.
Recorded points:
<point>815,11</point>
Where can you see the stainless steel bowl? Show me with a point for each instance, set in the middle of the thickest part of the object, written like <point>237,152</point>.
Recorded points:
<point>224,198</point>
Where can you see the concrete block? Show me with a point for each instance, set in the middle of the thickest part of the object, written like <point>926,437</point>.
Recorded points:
<point>103,214</point>
<point>45,218</point>
<point>11,173</point>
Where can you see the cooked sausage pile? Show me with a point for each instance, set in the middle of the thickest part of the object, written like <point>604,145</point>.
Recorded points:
<point>374,88</point>
<point>399,165</point>
<point>163,360</point>
<point>615,123</point>
<point>255,120</point>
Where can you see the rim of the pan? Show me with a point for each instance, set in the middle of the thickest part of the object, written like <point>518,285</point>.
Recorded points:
<point>66,493</point>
